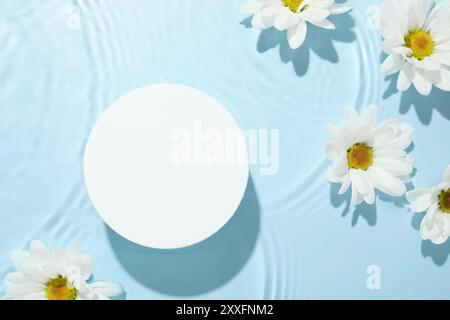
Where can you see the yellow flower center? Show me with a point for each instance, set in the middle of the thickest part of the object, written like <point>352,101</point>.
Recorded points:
<point>420,42</point>
<point>292,4</point>
<point>360,156</point>
<point>444,201</point>
<point>60,288</point>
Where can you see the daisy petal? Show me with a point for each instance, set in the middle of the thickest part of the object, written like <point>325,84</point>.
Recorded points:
<point>392,64</point>
<point>296,35</point>
<point>106,288</point>
<point>370,114</point>
<point>346,183</point>
<point>444,81</point>
<point>419,199</point>
<point>360,181</point>
<point>422,84</point>
<point>405,77</point>
<point>447,174</point>
<point>251,7</point>
<point>356,198</point>
<point>385,182</point>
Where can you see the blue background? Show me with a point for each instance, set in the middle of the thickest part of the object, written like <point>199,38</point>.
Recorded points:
<point>292,237</point>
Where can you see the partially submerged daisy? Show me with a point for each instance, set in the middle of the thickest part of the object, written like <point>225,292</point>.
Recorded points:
<point>417,40</point>
<point>56,275</point>
<point>292,15</point>
<point>367,156</point>
<point>435,201</point>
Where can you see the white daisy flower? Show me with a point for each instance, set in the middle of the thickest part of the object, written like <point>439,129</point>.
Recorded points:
<point>57,275</point>
<point>368,156</point>
<point>292,15</point>
<point>417,40</point>
<point>435,225</point>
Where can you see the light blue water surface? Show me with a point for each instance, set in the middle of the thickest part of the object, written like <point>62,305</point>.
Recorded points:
<point>293,237</point>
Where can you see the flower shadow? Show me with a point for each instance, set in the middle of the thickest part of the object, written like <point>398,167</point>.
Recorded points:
<point>198,268</point>
<point>392,86</point>
<point>122,296</point>
<point>438,253</point>
<point>424,106</point>
<point>364,211</point>
<point>247,22</point>
<point>399,202</point>
<point>318,40</point>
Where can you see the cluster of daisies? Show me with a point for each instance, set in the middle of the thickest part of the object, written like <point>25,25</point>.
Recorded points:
<point>366,155</point>
<point>416,34</point>
<point>292,16</point>
<point>54,275</point>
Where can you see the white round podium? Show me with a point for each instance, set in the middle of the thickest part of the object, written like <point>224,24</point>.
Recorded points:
<point>166,166</point>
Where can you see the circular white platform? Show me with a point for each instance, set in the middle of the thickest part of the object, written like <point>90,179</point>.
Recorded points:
<point>166,166</point>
